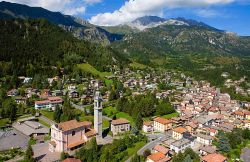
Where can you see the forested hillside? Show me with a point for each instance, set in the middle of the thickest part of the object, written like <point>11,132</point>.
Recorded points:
<point>29,47</point>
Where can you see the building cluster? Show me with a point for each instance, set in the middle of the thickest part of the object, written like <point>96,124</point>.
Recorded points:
<point>204,111</point>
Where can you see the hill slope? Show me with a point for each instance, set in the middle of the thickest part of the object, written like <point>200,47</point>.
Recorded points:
<point>181,36</point>
<point>33,46</point>
<point>81,29</point>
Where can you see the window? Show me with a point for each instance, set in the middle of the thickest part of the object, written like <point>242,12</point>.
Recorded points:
<point>73,133</point>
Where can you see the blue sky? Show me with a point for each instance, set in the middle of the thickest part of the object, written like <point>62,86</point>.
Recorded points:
<point>230,15</point>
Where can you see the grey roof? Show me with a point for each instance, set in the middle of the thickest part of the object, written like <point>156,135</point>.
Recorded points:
<point>208,149</point>
<point>181,142</point>
<point>31,127</point>
<point>13,139</point>
<point>204,136</point>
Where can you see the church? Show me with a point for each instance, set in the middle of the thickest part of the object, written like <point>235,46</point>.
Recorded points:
<point>70,135</point>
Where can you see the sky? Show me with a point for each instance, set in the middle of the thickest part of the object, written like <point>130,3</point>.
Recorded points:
<point>229,15</point>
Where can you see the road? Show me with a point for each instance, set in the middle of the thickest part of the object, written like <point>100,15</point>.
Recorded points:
<point>154,139</point>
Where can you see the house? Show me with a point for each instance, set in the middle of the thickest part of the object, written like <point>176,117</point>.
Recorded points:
<point>246,124</point>
<point>178,133</point>
<point>157,157</point>
<point>13,92</point>
<point>71,160</point>
<point>214,158</point>
<point>161,149</point>
<point>69,135</point>
<point>73,94</point>
<point>31,128</point>
<point>181,145</point>
<point>204,139</point>
<point>162,125</point>
<point>147,126</point>
<point>20,100</point>
<point>48,103</point>
<point>120,126</point>
<point>205,150</point>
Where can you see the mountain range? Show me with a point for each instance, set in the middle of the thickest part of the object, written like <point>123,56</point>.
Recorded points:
<point>145,38</point>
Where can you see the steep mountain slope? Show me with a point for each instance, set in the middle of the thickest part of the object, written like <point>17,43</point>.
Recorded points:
<point>80,28</point>
<point>14,10</point>
<point>33,46</point>
<point>180,36</point>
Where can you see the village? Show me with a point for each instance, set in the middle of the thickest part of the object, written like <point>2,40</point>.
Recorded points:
<point>201,112</point>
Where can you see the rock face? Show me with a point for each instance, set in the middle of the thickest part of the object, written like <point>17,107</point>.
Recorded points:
<point>80,28</point>
<point>181,36</point>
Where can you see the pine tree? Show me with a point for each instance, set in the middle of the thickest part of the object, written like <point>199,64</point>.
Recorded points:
<point>29,155</point>
<point>57,114</point>
<point>139,121</point>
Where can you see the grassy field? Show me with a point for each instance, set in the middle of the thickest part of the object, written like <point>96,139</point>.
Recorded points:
<point>48,114</point>
<point>108,82</point>
<point>90,69</point>
<point>133,150</point>
<point>105,124</point>
<point>125,115</point>
<point>110,111</point>
<point>137,65</point>
<point>43,123</point>
<point>169,116</point>
<point>3,122</point>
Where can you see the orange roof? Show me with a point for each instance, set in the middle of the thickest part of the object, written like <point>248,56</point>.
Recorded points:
<point>162,120</point>
<point>161,149</point>
<point>239,113</point>
<point>71,160</point>
<point>120,121</point>
<point>42,102</point>
<point>90,133</point>
<point>148,123</point>
<point>72,145</point>
<point>214,158</point>
<point>179,130</point>
<point>156,156</point>
<point>53,143</point>
<point>73,124</point>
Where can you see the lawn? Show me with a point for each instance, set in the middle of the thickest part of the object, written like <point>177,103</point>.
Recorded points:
<point>3,122</point>
<point>169,116</point>
<point>48,114</point>
<point>105,124</point>
<point>125,115</point>
<point>133,150</point>
<point>86,118</point>
<point>137,65</point>
<point>108,82</point>
<point>90,69</point>
<point>43,123</point>
<point>110,111</point>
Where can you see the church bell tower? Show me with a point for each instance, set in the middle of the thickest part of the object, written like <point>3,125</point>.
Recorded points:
<point>98,113</point>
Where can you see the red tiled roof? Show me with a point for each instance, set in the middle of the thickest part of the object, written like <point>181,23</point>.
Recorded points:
<point>156,156</point>
<point>214,158</point>
<point>179,130</point>
<point>119,121</point>
<point>71,160</point>
<point>73,124</point>
<point>161,149</point>
<point>72,145</point>
<point>162,120</point>
<point>149,123</point>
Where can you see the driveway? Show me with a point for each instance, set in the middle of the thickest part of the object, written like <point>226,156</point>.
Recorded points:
<point>42,153</point>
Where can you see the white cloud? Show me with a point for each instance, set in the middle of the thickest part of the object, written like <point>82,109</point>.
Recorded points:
<point>207,13</point>
<point>75,11</point>
<point>71,7</point>
<point>137,8</point>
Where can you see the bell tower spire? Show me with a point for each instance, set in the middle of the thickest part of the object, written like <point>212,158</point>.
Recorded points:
<point>98,112</point>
